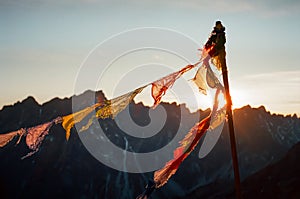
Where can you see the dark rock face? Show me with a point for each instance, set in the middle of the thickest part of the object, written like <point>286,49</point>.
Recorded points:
<point>279,180</point>
<point>65,169</point>
<point>263,140</point>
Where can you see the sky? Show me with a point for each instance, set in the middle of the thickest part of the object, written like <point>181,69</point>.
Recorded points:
<point>45,43</point>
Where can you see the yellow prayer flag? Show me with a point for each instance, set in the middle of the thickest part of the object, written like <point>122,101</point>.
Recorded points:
<point>114,106</point>
<point>69,121</point>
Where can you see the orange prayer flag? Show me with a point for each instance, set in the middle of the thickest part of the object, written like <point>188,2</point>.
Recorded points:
<point>35,136</point>
<point>6,138</point>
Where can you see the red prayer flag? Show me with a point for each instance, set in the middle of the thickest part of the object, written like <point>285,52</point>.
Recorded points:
<point>160,86</point>
<point>187,146</point>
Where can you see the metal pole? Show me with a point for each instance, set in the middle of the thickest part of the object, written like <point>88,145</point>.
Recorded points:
<point>231,132</point>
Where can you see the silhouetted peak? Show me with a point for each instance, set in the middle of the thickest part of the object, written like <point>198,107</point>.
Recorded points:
<point>244,108</point>
<point>100,96</point>
<point>248,109</point>
<point>262,108</point>
<point>30,101</point>
<point>54,101</point>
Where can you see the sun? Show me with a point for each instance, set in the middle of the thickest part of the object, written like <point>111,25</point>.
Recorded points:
<point>239,98</point>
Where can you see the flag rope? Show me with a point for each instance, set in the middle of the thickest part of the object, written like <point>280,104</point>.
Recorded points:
<point>110,108</point>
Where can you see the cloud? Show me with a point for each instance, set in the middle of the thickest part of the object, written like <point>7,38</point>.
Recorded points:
<point>282,84</point>
<point>295,102</point>
<point>284,78</point>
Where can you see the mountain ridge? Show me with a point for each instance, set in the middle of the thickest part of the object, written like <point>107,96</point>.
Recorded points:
<point>31,99</point>
<point>68,170</point>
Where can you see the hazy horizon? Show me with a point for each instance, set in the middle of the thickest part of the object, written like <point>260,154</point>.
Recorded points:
<point>150,105</point>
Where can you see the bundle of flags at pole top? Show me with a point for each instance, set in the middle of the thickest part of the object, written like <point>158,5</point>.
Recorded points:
<point>205,79</point>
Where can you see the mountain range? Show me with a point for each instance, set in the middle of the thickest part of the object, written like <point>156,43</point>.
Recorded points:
<point>267,147</point>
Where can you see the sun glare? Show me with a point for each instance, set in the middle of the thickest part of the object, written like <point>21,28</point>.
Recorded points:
<point>239,98</point>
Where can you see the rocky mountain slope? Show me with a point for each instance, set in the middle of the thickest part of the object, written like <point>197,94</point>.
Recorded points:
<point>279,180</point>
<point>66,169</point>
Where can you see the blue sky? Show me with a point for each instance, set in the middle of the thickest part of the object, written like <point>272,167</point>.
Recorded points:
<point>43,43</point>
